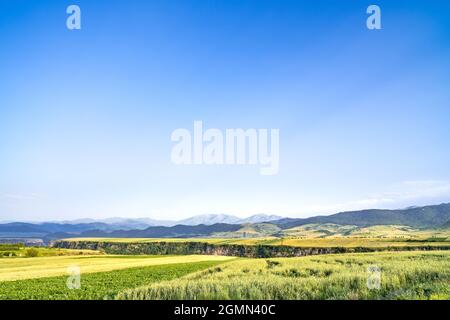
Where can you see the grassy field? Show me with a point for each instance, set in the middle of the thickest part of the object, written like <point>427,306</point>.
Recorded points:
<point>17,269</point>
<point>392,275</point>
<point>400,275</point>
<point>19,250</point>
<point>379,231</point>
<point>98,286</point>
<point>378,275</point>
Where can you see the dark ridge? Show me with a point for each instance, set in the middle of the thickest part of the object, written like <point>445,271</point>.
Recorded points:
<point>420,217</point>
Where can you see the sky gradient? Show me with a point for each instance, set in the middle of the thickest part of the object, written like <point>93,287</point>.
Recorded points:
<point>86,115</point>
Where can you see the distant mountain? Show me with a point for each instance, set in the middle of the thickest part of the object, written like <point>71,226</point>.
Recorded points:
<point>125,223</point>
<point>197,226</point>
<point>140,221</point>
<point>420,217</point>
<point>21,227</point>
<point>446,225</point>
<point>206,219</point>
<point>125,227</point>
<point>209,219</point>
<point>46,228</point>
<point>178,231</point>
<point>211,225</point>
<point>259,218</point>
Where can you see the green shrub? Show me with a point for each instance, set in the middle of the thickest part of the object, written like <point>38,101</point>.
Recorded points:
<point>31,253</point>
<point>271,264</point>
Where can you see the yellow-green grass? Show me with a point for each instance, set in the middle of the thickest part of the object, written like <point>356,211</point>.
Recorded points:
<point>387,275</point>
<point>17,269</point>
<point>144,240</point>
<point>350,242</point>
<point>378,231</point>
<point>96,286</point>
<point>250,241</point>
<point>26,252</point>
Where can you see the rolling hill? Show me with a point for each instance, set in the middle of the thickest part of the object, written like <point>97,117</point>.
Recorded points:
<point>419,217</point>
<point>178,231</point>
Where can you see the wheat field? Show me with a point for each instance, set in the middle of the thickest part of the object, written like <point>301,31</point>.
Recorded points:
<point>387,275</point>
<point>28,268</point>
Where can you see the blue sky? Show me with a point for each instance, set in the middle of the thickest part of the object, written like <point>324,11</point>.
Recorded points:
<point>86,115</point>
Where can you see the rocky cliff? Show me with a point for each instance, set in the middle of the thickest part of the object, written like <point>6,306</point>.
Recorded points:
<point>251,251</point>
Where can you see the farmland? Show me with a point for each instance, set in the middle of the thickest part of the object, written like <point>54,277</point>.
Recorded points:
<point>99,285</point>
<point>19,250</point>
<point>400,275</point>
<point>161,268</point>
<point>18,269</point>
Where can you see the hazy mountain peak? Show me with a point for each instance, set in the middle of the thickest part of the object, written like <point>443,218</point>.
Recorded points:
<point>262,217</point>
<point>206,219</point>
<point>209,219</point>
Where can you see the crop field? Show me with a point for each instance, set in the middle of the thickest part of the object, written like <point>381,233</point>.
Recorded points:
<point>391,275</point>
<point>44,272</point>
<point>99,285</point>
<point>351,242</point>
<point>18,269</point>
<point>380,275</point>
<point>398,232</point>
<point>19,250</point>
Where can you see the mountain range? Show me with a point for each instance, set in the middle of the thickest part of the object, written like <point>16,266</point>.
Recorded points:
<point>206,219</point>
<point>427,217</point>
<point>420,217</point>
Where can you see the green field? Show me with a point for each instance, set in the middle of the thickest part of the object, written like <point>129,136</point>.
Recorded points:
<point>17,269</point>
<point>19,250</point>
<point>411,275</point>
<point>397,232</point>
<point>126,275</point>
<point>98,286</point>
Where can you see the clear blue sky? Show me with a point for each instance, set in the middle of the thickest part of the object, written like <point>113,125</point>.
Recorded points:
<point>86,115</point>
